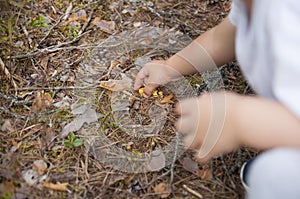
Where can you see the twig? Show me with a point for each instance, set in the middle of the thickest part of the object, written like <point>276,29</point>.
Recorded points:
<point>55,48</point>
<point>174,159</point>
<point>195,193</point>
<point>6,111</point>
<point>68,11</point>
<point>86,23</point>
<point>55,88</point>
<point>86,6</point>
<point>27,35</point>
<point>14,100</point>
<point>171,170</point>
<point>63,17</point>
<point>7,73</point>
<point>227,172</point>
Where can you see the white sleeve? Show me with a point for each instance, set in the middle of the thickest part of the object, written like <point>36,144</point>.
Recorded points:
<point>234,12</point>
<point>284,31</point>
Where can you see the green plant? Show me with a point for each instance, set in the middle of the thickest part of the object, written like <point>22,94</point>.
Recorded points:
<point>40,22</point>
<point>72,141</point>
<point>74,30</point>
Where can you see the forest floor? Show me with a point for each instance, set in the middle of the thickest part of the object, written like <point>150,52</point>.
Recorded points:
<point>42,45</point>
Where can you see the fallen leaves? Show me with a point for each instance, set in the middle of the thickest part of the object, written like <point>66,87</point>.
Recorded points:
<point>7,127</point>
<point>35,175</point>
<point>74,18</point>
<point>42,101</point>
<point>162,190</point>
<point>87,116</point>
<point>105,26</point>
<point>6,188</point>
<point>39,166</point>
<point>167,99</point>
<point>56,187</point>
<point>117,85</point>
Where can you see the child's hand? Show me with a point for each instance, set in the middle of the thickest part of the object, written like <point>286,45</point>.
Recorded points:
<point>206,124</point>
<point>153,74</point>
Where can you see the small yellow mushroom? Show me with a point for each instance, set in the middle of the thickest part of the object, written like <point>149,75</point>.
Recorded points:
<point>141,91</point>
<point>160,93</point>
<point>155,93</point>
<point>128,147</point>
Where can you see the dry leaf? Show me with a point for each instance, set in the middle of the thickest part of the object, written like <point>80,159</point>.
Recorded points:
<point>106,26</point>
<point>6,188</point>
<point>157,161</point>
<point>7,127</point>
<point>39,166</point>
<point>163,190</point>
<point>205,174</point>
<point>189,165</point>
<point>79,16</point>
<point>117,85</point>
<point>15,146</point>
<point>44,62</point>
<point>109,85</point>
<point>167,99</point>
<point>89,116</point>
<point>42,102</point>
<point>56,187</point>
<point>115,178</point>
<point>30,176</point>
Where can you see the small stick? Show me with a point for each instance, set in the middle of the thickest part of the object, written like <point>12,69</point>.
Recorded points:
<point>86,23</point>
<point>7,73</point>
<point>195,193</point>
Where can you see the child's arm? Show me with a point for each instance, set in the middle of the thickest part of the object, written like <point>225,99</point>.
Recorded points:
<point>247,121</point>
<point>214,48</point>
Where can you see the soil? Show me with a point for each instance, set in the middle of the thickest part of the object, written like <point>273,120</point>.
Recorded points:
<point>42,45</point>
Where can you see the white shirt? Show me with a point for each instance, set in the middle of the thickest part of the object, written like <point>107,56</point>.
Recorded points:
<point>268,48</point>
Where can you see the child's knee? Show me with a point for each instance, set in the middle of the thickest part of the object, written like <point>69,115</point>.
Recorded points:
<point>275,173</point>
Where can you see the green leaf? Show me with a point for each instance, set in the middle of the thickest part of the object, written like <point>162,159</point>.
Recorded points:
<point>71,136</point>
<point>77,142</point>
<point>41,19</point>
<point>67,143</point>
<point>35,23</point>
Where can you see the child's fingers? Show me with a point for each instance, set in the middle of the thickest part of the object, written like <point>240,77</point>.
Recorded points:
<point>140,79</point>
<point>186,106</point>
<point>149,88</point>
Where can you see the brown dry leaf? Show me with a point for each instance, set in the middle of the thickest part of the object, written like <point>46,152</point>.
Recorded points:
<point>39,166</point>
<point>79,16</point>
<point>167,99</point>
<point>109,85</point>
<point>205,174</point>
<point>6,188</point>
<point>189,165</point>
<point>7,127</point>
<point>117,85</point>
<point>42,101</point>
<point>15,146</point>
<point>56,187</point>
<point>106,26</point>
<point>44,62</point>
<point>163,190</point>
<point>115,178</point>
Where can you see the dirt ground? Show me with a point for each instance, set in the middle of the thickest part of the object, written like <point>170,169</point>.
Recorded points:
<point>42,44</point>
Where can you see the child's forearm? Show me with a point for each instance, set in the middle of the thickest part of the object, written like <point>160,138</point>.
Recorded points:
<point>264,124</point>
<point>214,48</point>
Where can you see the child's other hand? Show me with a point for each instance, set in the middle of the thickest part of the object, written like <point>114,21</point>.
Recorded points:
<point>153,74</point>
<point>204,122</point>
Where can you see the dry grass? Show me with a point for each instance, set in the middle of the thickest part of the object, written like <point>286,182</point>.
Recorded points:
<point>41,59</point>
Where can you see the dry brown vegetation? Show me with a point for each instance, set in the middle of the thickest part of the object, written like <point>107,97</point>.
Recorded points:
<point>42,44</point>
